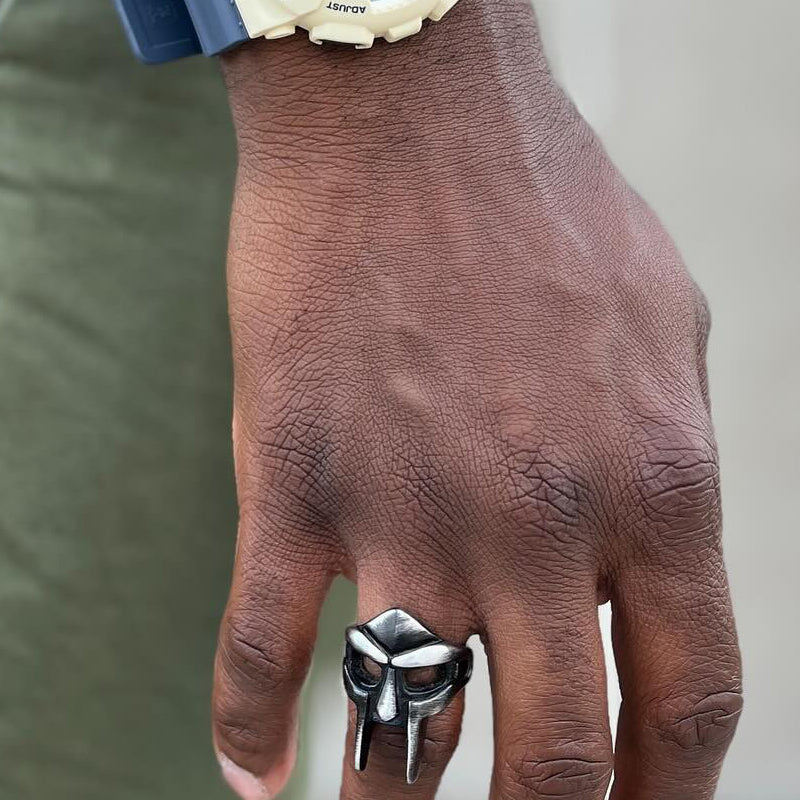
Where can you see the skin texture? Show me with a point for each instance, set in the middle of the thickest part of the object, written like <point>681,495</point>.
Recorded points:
<point>469,375</point>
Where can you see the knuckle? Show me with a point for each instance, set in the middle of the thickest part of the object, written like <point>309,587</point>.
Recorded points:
<point>257,672</point>
<point>581,772</point>
<point>293,454</point>
<point>257,658</point>
<point>677,482</point>
<point>546,495</point>
<point>707,725</point>
<point>390,746</point>
<point>440,745</point>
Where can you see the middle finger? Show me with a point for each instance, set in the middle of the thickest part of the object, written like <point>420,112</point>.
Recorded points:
<point>552,736</point>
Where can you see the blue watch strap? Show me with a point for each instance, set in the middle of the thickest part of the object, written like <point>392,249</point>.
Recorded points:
<point>163,30</point>
<point>159,30</point>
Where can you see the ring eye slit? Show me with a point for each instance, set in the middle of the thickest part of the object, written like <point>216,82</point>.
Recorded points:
<point>369,671</point>
<point>423,679</point>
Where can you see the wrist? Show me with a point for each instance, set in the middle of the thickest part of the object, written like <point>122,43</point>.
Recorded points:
<point>475,82</point>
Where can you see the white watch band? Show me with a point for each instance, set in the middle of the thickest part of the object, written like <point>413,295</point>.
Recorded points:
<point>357,22</point>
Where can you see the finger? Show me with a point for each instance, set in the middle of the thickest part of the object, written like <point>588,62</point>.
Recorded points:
<point>674,637</point>
<point>265,645</point>
<point>380,759</point>
<point>552,737</point>
<point>385,773</point>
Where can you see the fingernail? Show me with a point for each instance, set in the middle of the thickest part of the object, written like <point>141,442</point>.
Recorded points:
<point>247,786</point>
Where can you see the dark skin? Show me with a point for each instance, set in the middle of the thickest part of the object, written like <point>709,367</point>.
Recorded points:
<point>470,376</point>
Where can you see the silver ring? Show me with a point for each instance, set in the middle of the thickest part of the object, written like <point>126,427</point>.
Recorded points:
<point>398,673</point>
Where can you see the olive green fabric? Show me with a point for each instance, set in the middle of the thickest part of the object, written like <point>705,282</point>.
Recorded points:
<point>117,513</point>
<point>117,508</point>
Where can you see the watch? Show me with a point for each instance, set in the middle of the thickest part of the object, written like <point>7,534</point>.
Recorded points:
<point>163,30</point>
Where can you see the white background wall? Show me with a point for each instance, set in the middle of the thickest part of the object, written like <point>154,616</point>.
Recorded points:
<point>699,103</point>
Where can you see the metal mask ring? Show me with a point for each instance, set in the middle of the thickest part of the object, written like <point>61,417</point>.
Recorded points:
<point>398,673</point>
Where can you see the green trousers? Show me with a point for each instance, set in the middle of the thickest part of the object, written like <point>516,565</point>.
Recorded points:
<point>117,508</point>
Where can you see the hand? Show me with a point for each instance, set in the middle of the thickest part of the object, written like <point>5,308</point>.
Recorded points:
<point>470,376</point>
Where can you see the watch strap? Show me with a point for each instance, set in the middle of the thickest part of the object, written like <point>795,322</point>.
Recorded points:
<point>164,30</point>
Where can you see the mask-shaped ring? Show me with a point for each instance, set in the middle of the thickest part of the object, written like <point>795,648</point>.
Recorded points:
<point>398,673</point>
